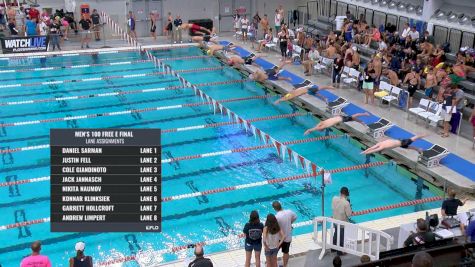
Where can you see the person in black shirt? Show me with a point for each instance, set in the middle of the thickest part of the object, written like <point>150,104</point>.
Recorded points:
<point>368,82</point>
<point>55,31</point>
<point>177,22</point>
<point>96,20</point>
<point>338,64</point>
<point>451,204</point>
<point>86,27</point>
<point>12,27</point>
<point>421,237</point>
<point>200,260</point>
<point>80,260</point>
<point>253,231</point>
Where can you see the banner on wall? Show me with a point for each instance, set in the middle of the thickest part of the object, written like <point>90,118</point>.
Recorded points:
<point>26,44</point>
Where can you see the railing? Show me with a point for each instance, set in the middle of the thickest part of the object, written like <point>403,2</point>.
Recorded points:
<point>358,240</point>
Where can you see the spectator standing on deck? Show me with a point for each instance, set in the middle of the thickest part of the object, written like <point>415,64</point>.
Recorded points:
<point>177,23</point>
<point>30,27</point>
<point>244,27</point>
<point>35,259</point>
<point>80,260</point>
<point>253,231</point>
<point>448,106</point>
<point>341,211</point>
<point>131,25</point>
<point>459,105</point>
<point>338,64</point>
<point>200,260</point>
<point>42,28</point>
<point>96,21</point>
<point>265,25</point>
<point>86,31</point>
<point>11,25</point>
<point>285,219</point>
<point>55,31</point>
<point>273,237</point>
<point>277,20</point>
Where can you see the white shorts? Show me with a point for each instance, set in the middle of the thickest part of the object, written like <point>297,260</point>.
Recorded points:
<point>445,115</point>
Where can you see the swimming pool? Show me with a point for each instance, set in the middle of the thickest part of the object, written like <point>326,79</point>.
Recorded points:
<point>51,90</point>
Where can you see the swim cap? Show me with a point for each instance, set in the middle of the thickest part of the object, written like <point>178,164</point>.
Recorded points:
<point>208,52</point>
<point>57,17</point>
<point>80,246</point>
<point>251,76</point>
<point>288,95</point>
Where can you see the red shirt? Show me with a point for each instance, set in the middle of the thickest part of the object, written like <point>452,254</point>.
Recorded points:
<point>34,13</point>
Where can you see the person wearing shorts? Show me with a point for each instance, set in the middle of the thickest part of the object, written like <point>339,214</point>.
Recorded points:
<point>273,237</point>
<point>413,80</point>
<point>448,106</point>
<point>285,219</point>
<point>253,231</point>
<point>96,21</point>
<point>368,83</point>
<point>86,34</point>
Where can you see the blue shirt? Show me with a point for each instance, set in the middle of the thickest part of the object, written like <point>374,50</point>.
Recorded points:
<point>471,230</point>
<point>30,27</point>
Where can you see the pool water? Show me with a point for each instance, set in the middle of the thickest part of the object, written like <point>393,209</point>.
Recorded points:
<point>188,220</point>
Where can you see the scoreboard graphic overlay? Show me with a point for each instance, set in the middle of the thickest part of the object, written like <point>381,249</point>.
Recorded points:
<point>105,180</point>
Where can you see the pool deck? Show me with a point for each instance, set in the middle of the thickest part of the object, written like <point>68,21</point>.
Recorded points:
<point>302,244</point>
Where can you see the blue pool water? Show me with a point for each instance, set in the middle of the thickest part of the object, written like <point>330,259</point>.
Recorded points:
<point>189,220</point>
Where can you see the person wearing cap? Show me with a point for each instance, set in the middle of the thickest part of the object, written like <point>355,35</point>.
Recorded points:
<point>341,209</point>
<point>80,260</point>
<point>35,259</point>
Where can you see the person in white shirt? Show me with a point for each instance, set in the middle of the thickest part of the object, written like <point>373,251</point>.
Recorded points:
<point>308,64</point>
<point>277,20</point>
<point>414,33</point>
<point>42,27</point>
<point>382,45</point>
<point>285,219</point>
<point>405,31</point>
<point>244,27</point>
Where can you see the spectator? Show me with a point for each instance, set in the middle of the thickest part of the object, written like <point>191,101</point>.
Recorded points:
<point>277,20</point>
<point>131,25</point>
<point>405,31</point>
<point>265,25</point>
<point>96,21</point>
<point>422,259</point>
<point>431,82</point>
<point>86,31</point>
<point>337,261</point>
<point>80,260</point>
<point>459,105</point>
<point>20,20</point>
<point>414,33</point>
<point>365,259</point>
<point>253,231</point>
<point>280,9</point>
<point>285,219</point>
<point>35,259</point>
<point>413,80</point>
<point>348,31</point>
<point>421,237</point>
<point>356,59</point>
<point>244,27</point>
<point>428,38</point>
<point>30,27</point>
<point>350,16</point>
<point>273,237</point>
<point>65,24</point>
<point>168,27</point>
<point>34,13</point>
<point>267,40</point>
<point>237,22</point>
<point>341,211</point>
<point>368,82</point>
<point>177,23</point>
<point>373,36</point>
<point>3,20</point>
<point>12,27</point>
<point>448,107</point>
<point>43,28</point>
<point>470,231</point>
<point>55,31</point>
<point>338,65</point>
<point>308,64</point>
<point>200,260</point>
<point>283,37</point>
<point>46,17</point>
<point>451,204</point>
<point>256,20</point>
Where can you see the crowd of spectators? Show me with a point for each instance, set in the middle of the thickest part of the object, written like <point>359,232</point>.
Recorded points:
<point>29,21</point>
